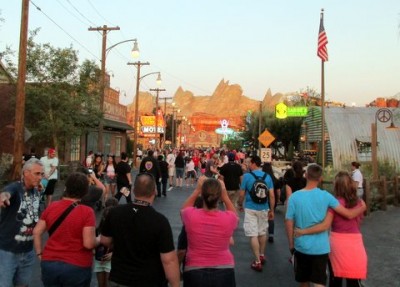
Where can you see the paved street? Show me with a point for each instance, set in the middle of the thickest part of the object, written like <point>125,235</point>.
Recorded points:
<point>381,234</point>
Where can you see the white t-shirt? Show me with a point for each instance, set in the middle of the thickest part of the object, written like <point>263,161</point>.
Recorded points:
<point>48,163</point>
<point>357,176</point>
<point>190,166</point>
<point>171,160</point>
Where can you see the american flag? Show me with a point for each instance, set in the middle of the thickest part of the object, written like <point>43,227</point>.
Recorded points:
<point>322,41</point>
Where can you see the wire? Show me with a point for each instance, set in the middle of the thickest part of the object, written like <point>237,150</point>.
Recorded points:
<point>79,43</point>
<point>76,17</point>
<point>80,13</point>
<point>98,13</point>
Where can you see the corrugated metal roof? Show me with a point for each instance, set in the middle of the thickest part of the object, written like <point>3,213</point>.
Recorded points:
<point>346,125</point>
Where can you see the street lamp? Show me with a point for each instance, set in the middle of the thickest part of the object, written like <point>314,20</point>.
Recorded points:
<point>174,111</point>
<point>105,51</point>
<point>138,65</point>
<point>383,115</point>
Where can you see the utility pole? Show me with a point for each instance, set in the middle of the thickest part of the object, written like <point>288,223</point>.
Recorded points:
<point>259,126</point>
<point>19,126</point>
<point>138,65</point>
<point>104,29</point>
<point>157,90</point>
<point>165,103</point>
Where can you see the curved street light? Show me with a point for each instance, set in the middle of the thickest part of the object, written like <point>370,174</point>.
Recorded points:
<point>105,51</point>
<point>138,65</point>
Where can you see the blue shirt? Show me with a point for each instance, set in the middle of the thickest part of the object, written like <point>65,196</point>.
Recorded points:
<point>307,208</point>
<point>247,184</point>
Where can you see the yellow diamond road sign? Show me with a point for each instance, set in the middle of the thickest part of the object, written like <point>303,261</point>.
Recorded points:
<point>266,138</point>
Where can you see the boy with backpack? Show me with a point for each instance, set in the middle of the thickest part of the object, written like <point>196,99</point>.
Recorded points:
<point>257,192</point>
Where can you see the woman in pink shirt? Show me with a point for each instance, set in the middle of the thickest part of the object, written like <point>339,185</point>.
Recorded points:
<point>348,258</point>
<point>209,261</point>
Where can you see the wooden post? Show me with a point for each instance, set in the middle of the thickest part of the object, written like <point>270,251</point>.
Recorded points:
<point>19,126</point>
<point>367,192</point>
<point>383,185</point>
<point>396,190</point>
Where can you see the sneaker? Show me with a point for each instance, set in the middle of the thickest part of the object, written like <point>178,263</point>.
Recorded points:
<point>262,259</point>
<point>256,266</point>
<point>170,188</point>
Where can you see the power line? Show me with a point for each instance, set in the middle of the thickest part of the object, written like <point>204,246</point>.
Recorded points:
<point>76,17</point>
<point>79,43</point>
<point>80,13</point>
<point>98,13</point>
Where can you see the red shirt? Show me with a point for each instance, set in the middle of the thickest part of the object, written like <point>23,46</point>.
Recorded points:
<point>196,161</point>
<point>66,243</point>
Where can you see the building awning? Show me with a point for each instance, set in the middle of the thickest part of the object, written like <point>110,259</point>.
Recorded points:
<point>117,125</point>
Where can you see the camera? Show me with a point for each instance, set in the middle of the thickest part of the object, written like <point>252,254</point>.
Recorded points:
<point>90,170</point>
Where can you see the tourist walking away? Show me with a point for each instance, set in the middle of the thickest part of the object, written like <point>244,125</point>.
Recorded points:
<point>179,168</point>
<point>257,192</point>
<point>209,261</point>
<point>348,258</point>
<point>110,176</point>
<point>164,176</point>
<point>171,169</point>
<point>307,207</point>
<point>67,257</point>
<point>232,175</point>
<point>211,166</point>
<point>150,164</point>
<point>294,179</point>
<point>191,175</point>
<point>267,167</point>
<point>141,237</point>
<point>50,164</point>
<point>124,178</point>
<point>103,254</point>
<point>357,176</point>
<point>19,209</point>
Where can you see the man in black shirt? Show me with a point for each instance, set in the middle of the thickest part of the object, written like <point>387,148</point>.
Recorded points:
<point>143,246</point>
<point>124,178</point>
<point>232,173</point>
<point>149,164</point>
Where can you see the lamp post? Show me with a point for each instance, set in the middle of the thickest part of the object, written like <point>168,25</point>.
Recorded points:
<point>104,52</point>
<point>157,90</point>
<point>174,111</point>
<point>383,115</point>
<point>138,65</point>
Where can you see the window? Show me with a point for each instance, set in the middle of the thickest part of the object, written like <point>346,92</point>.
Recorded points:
<point>364,152</point>
<point>75,148</point>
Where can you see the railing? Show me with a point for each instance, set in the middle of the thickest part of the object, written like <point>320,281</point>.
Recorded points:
<point>377,193</point>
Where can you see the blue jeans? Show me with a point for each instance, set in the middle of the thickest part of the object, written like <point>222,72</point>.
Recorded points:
<point>209,277</point>
<point>16,268</point>
<point>57,273</point>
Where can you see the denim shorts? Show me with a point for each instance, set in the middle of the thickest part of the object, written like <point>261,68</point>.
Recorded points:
<point>16,268</point>
<point>109,180</point>
<point>58,273</point>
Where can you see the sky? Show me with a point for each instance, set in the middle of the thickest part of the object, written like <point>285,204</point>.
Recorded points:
<point>257,44</point>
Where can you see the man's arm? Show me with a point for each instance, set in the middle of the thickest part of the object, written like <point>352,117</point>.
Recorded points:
<point>241,199</point>
<point>271,204</point>
<point>317,228</point>
<point>289,223</point>
<point>171,267</point>
<point>350,213</point>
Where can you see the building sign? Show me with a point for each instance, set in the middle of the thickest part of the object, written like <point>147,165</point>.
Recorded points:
<point>224,130</point>
<point>282,111</point>
<point>148,125</point>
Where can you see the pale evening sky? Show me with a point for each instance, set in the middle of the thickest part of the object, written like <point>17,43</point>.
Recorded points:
<point>258,44</point>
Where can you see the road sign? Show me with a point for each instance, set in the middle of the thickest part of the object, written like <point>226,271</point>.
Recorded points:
<point>266,155</point>
<point>266,138</point>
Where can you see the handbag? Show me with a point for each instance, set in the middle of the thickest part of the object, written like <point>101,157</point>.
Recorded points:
<point>61,218</point>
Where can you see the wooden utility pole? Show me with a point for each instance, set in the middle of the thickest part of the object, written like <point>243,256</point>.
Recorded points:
<point>165,103</point>
<point>260,117</point>
<point>19,126</point>
<point>157,90</point>
<point>104,29</point>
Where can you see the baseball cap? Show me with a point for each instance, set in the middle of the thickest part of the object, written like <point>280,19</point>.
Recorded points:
<point>51,151</point>
<point>231,156</point>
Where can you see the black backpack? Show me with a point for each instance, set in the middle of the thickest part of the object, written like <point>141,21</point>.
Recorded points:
<point>259,191</point>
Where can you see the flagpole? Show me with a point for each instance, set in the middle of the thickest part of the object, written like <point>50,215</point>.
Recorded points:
<point>323,100</point>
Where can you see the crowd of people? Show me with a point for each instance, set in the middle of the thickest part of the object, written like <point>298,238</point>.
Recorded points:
<point>134,243</point>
